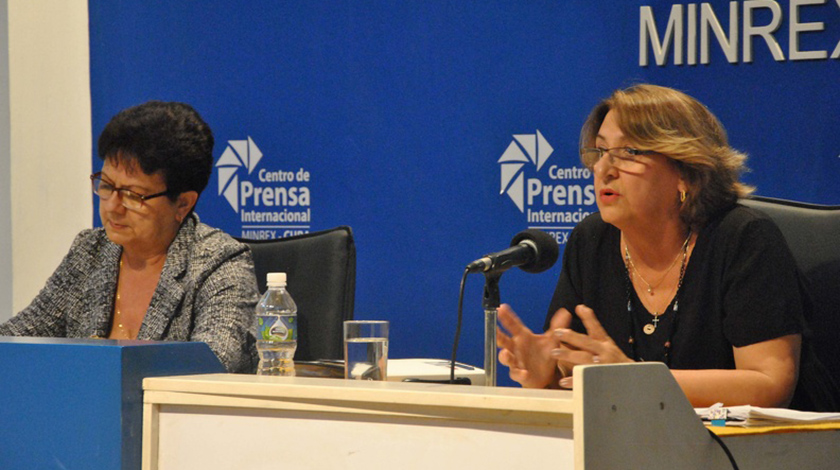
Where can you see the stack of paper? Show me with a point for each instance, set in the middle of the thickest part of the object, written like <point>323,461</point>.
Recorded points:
<point>747,415</point>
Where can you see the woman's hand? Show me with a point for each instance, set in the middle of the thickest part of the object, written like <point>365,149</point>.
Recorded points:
<point>528,355</point>
<point>594,347</point>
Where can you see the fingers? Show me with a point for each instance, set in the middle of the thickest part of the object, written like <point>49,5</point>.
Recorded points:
<point>526,354</point>
<point>574,356</point>
<point>567,383</point>
<point>579,348</point>
<point>506,358</point>
<point>561,319</point>
<point>571,340</point>
<point>502,340</point>
<point>590,322</point>
<point>510,321</point>
<point>507,349</point>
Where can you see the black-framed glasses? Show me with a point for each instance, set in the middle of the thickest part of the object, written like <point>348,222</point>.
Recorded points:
<point>130,200</point>
<point>623,158</point>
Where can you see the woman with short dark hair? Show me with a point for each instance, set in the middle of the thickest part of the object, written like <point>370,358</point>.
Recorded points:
<point>153,271</point>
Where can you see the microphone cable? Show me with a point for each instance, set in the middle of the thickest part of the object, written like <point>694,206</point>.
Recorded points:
<point>725,449</point>
<point>458,327</point>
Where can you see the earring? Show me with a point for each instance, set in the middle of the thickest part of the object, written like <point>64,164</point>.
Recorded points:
<point>682,196</point>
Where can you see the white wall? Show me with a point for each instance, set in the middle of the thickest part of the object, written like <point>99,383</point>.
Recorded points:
<point>5,177</point>
<point>50,137</point>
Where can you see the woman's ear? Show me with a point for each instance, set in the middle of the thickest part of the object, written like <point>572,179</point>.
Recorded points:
<point>683,186</point>
<point>185,203</point>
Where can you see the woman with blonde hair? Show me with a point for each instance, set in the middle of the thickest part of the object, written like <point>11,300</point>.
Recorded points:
<point>671,268</point>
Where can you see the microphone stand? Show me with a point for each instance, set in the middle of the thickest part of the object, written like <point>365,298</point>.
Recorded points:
<point>491,310</point>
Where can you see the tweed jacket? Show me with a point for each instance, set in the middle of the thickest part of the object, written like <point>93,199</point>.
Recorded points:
<point>207,292</point>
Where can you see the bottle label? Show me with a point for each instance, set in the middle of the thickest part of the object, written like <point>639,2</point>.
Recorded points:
<point>277,327</point>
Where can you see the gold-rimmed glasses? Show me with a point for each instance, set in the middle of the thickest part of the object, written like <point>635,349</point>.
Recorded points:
<point>622,158</point>
<point>130,200</point>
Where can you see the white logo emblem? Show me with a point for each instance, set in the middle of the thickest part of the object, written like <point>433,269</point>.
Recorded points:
<point>524,148</point>
<point>238,154</point>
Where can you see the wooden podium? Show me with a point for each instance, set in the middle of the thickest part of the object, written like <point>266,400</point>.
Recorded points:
<point>619,416</point>
<point>77,404</point>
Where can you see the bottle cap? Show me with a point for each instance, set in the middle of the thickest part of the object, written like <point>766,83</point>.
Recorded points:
<point>276,279</point>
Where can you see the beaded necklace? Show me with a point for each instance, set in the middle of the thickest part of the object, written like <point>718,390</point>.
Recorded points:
<point>649,328</point>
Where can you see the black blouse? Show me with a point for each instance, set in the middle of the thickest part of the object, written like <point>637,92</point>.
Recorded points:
<point>741,287</point>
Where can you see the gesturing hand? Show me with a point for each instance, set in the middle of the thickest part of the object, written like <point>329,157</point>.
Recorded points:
<point>528,355</point>
<point>594,347</point>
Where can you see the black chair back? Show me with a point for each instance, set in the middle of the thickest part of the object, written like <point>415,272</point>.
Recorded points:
<point>321,272</point>
<point>812,233</point>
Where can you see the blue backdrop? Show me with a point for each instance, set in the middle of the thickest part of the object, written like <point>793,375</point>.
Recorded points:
<point>439,129</point>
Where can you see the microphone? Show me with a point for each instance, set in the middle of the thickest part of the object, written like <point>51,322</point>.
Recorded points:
<point>532,250</point>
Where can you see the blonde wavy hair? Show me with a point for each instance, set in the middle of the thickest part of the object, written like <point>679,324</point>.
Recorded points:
<point>679,127</point>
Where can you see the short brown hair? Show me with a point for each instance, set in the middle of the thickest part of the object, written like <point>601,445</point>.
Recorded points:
<point>682,129</point>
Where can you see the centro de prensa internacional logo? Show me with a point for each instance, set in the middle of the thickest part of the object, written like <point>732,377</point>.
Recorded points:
<point>524,149</point>
<point>238,154</point>
<point>553,197</point>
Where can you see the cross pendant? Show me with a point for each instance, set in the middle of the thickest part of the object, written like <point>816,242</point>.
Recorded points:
<point>655,321</point>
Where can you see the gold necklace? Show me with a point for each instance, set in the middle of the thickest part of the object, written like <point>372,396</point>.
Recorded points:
<point>650,287</point>
<point>118,320</point>
<point>650,328</point>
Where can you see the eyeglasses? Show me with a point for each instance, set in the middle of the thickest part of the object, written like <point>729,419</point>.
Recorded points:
<point>623,158</point>
<point>130,200</point>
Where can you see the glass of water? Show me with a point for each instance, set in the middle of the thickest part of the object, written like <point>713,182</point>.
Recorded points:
<point>366,349</point>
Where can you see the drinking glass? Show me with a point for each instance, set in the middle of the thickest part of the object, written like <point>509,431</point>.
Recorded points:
<point>366,349</point>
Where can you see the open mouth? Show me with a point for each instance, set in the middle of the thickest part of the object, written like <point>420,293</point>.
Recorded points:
<point>115,225</point>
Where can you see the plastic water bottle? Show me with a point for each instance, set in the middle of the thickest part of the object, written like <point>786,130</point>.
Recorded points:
<point>276,329</point>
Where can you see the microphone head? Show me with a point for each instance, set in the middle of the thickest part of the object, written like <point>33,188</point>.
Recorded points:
<point>545,246</point>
